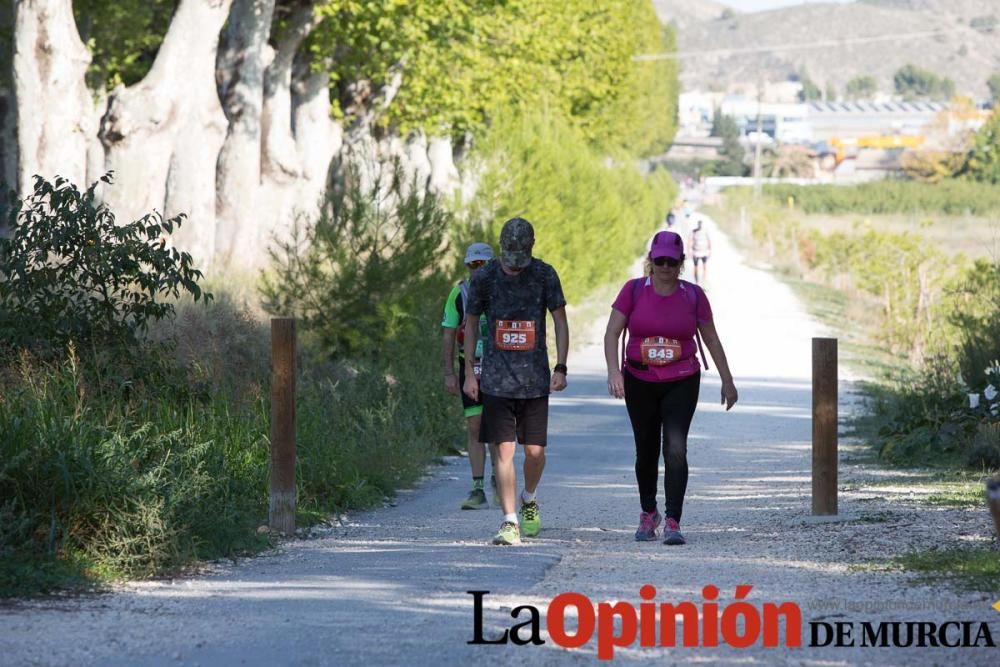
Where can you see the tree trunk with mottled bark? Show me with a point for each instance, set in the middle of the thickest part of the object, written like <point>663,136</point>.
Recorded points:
<point>8,128</point>
<point>54,111</point>
<point>318,137</point>
<point>162,135</point>
<point>284,172</point>
<point>240,228</point>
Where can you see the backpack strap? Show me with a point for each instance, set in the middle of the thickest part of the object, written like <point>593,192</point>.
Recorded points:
<point>636,284</point>
<point>463,294</point>
<point>460,300</point>
<point>692,295</point>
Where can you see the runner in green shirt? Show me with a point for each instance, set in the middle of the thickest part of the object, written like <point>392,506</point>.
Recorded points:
<point>453,328</point>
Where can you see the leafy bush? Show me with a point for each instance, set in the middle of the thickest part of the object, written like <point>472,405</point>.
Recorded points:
<point>367,281</point>
<point>975,318</point>
<point>69,272</point>
<point>358,275</point>
<point>366,428</point>
<point>732,150</point>
<point>914,82</point>
<point>984,160</point>
<point>993,83</point>
<point>929,417</point>
<point>810,91</point>
<point>861,87</point>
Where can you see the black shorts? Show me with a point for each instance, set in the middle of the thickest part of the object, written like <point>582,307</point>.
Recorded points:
<point>523,420</point>
<point>471,407</point>
<point>703,259</point>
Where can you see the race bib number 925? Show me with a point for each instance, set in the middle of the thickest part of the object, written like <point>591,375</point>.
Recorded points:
<point>515,335</point>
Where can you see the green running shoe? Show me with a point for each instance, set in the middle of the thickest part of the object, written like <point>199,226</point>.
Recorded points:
<point>531,519</point>
<point>508,534</point>
<point>476,500</point>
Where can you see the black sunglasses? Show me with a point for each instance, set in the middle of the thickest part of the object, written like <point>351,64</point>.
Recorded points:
<point>669,261</point>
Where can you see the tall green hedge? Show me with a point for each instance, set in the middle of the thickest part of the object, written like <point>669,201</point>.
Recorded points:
<point>593,215</point>
<point>952,197</point>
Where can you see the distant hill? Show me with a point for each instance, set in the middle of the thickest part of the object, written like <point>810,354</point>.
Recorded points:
<point>966,47</point>
<point>684,12</point>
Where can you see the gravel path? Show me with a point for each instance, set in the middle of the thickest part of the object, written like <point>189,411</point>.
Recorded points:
<point>389,586</point>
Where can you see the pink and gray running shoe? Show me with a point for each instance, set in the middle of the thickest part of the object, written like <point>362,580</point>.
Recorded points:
<point>648,522</point>
<point>672,532</point>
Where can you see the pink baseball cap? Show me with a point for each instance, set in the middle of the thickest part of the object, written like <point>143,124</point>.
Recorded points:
<point>666,244</point>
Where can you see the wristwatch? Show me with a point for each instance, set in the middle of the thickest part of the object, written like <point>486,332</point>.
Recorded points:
<point>559,368</point>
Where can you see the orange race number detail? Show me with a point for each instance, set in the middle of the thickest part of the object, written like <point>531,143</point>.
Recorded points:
<point>515,335</point>
<point>660,351</point>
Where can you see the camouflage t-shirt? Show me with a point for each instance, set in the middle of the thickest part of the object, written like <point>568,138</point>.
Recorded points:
<point>515,307</point>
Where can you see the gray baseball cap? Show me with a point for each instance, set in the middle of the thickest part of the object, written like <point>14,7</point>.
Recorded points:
<point>517,238</point>
<point>478,252</point>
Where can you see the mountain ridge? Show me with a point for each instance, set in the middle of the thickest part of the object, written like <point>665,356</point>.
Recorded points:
<point>959,39</point>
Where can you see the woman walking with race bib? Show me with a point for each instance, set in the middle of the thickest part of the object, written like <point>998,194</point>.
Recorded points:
<point>660,376</point>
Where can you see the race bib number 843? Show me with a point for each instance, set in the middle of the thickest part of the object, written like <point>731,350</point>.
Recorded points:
<point>660,351</point>
<point>515,335</point>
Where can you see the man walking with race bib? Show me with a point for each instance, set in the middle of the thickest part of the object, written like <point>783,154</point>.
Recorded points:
<point>514,293</point>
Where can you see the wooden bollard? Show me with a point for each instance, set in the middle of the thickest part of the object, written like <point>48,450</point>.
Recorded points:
<point>824,433</point>
<point>993,499</point>
<point>281,507</point>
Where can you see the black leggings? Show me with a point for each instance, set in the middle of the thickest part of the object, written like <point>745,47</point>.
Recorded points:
<point>666,406</point>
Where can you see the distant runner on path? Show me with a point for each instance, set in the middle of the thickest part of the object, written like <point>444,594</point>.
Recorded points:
<point>453,327</point>
<point>660,376</point>
<point>701,248</point>
<point>514,294</point>
<point>671,220</point>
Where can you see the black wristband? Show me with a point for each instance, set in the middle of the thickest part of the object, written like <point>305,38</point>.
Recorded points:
<point>559,368</point>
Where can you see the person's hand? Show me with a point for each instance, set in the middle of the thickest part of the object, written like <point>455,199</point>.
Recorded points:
<point>471,387</point>
<point>558,381</point>
<point>451,384</point>
<point>729,395</point>
<point>616,383</point>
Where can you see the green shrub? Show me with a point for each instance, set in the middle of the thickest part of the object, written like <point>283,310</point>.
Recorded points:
<point>69,272</point>
<point>920,417</point>
<point>984,449</point>
<point>367,282</point>
<point>132,489</point>
<point>94,486</point>
<point>914,82</point>
<point>592,215</point>
<point>357,277</point>
<point>975,318</point>
<point>927,418</point>
<point>366,428</point>
<point>984,159</point>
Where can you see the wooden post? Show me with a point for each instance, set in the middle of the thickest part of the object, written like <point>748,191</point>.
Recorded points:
<point>281,508</point>
<point>824,442</point>
<point>993,498</point>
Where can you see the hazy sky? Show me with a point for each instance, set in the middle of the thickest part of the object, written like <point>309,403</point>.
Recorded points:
<point>753,5</point>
